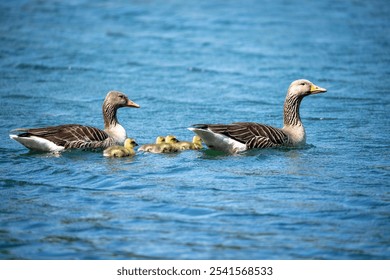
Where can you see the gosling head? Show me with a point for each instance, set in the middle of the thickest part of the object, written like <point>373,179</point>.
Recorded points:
<point>170,139</point>
<point>197,140</point>
<point>160,140</point>
<point>302,88</point>
<point>130,143</point>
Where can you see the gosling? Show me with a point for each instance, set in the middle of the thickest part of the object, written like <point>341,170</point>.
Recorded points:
<point>161,147</point>
<point>127,150</point>
<point>148,147</point>
<point>196,143</point>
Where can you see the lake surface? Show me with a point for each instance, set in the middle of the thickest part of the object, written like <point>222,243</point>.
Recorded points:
<point>189,62</point>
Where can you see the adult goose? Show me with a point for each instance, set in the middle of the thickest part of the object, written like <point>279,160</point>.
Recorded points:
<point>241,136</point>
<point>76,136</point>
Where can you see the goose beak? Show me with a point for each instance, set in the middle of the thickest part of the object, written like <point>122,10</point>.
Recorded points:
<point>316,89</point>
<point>132,104</point>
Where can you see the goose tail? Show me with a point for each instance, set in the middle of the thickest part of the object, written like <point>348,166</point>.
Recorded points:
<point>217,141</point>
<point>36,143</point>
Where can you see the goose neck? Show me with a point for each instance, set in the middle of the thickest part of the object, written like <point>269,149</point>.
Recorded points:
<point>291,111</point>
<point>109,115</point>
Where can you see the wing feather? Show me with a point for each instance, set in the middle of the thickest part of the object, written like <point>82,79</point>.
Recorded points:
<point>72,136</point>
<point>254,135</point>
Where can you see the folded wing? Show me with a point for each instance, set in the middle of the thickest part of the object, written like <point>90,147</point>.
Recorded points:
<point>71,136</point>
<point>254,135</point>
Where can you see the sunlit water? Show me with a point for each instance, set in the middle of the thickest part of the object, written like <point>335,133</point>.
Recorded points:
<point>189,62</point>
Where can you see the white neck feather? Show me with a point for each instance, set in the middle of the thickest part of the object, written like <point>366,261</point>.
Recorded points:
<point>117,132</point>
<point>296,134</point>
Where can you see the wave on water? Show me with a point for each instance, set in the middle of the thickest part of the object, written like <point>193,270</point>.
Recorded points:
<point>43,67</point>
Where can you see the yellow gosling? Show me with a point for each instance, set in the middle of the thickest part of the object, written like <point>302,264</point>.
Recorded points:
<point>164,149</point>
<point>196,143</point>
<point>127,150</point>
<point>148,147</point>
<point>161,147</point>
<point>170,139</point>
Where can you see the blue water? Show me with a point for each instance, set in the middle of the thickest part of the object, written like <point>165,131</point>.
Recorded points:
<point>189,62</point>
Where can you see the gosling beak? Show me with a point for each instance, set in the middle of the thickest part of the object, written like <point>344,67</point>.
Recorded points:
<point>316,89</point>
<point>135,144</point>
<point>132,104</point>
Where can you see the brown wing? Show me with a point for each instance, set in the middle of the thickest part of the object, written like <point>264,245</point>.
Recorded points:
<point>254,135</point>
<point>71,135</point>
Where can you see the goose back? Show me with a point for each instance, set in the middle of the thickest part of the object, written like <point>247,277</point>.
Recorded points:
<point>253,135</point>
<point>71,136</point>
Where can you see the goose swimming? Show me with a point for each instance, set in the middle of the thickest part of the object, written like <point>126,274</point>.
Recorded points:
<point>127,150</point>
<point>76,136</point>
<point>241,136</point>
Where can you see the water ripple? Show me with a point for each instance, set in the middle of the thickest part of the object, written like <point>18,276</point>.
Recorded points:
<point>192,62</point>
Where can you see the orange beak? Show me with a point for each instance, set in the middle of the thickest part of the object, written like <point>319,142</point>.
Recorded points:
<point>316,89</point>
<point>132,104</point>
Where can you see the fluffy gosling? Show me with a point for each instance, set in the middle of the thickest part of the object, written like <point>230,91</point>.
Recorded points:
<point>196,143</point>
<point>160,147</point>
<point>127,150</point>
<point>148,147</point>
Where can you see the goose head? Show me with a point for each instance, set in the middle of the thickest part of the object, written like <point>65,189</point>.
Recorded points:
<point>170,139</point>
<point>130,143</point>
<point>118,99</point>
<point>302,88</point>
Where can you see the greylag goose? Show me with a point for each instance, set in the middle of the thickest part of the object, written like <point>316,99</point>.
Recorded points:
<point>75,136</point>
<point>196,143</point>
<point>127,150</point>
<point>241,136</point>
